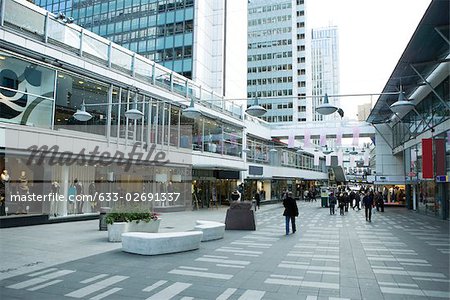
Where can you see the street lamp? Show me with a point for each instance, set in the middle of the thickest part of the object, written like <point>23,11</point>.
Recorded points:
<point>402,106</point>
<point>191,112</point>
<point>326,108</point>
<point>353,152</point>
<point>256,110</point>
<point>327,151</point>
<point>83,116</point>
<point>134,113</point>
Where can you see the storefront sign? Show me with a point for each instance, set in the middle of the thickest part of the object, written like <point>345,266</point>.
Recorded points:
<point>255,170</point>
<point>427,158</point>
<point>442,178</point>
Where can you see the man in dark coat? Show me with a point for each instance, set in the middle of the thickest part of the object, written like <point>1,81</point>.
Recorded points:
<point>290,212</point>
<point>332,203</point>
<point>258,200</point>
<point>368,203</point>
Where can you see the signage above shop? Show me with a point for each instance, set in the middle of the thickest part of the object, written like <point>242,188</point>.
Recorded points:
<point>442,178</point>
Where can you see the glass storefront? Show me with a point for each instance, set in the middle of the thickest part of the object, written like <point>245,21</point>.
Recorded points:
<point>432,197</point>
<point>209,189</point>
<point>212,136</point>
<point>100,186</point>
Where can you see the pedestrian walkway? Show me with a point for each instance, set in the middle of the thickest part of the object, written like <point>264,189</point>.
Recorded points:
<point>399,255</point>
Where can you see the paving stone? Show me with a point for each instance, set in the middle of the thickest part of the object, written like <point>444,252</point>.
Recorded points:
<point>273,273</point>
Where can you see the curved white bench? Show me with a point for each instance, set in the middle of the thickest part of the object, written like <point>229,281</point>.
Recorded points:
<point>211,230</point>
<point>145,243</point>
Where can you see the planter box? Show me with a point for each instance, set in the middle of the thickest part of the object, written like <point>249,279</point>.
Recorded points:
<point>115,231</point>
<point>142,226</point>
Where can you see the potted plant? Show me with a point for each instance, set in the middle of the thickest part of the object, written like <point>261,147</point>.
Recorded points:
<point>117,224</point>
<point>141,219</point>
<point>131,218</point>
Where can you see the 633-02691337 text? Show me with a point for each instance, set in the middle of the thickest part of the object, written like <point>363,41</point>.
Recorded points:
<point>98,196</point>
<point>133,197</point>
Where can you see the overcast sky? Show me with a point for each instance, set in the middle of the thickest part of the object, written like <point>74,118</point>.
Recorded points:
<point>373,35</point>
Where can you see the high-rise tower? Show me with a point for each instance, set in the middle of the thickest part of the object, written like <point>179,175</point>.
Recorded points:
<point>192,38</point>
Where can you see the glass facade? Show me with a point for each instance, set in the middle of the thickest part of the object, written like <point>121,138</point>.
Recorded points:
<point>89,46</point>
<point>39,96</point>
<point>432,197</point>
<point>26,92</point>
<point>159,30</point>
<point>212,136</point>
<point>430,112</point>
<point>276,58</point>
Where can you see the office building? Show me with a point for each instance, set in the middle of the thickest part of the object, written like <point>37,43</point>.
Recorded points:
<point>277,70</point>
<point>324,69</point>
<point>189,37</point>
<point>364,111</point>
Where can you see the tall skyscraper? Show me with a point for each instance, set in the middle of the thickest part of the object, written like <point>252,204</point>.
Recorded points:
<point>277,69</point>
<point>324,68</point>
<point>192,38</point>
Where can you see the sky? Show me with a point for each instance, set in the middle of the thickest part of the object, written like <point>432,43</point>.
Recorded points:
<point>372,37</point>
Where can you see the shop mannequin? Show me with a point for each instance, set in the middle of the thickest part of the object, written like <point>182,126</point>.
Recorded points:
<point>4,181</point>
<point>54,189</point>
<point>4,176</point>
<point>23,188</point>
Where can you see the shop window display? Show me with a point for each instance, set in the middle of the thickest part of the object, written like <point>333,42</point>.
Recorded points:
<point>429,204</point>
<point>393,194</point>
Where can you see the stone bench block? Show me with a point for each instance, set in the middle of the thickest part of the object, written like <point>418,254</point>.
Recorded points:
<point>211,230</point>
<point>145,243</point>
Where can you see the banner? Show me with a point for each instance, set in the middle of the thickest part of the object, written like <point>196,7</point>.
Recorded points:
<point>339,138</point>
<point>316,158</point>
<point>307,139</point>
<point>323,140</point>
<point>366,158</point>
<point>427,158</point>
<point>355,136</point>
<point>440,157</point>
<point>328,160</point>
<point>291,140</point>
<point>352,161</point>
<point>340,158</point>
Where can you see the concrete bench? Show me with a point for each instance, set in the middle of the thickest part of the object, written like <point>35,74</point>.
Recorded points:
<point>145,243</point>
<point>211,230</point>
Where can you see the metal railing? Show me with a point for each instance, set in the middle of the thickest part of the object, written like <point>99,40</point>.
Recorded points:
<point>37,23</point>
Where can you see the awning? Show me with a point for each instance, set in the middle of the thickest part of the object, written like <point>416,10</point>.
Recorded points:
<point>426,49</point>
<point>209,167</point>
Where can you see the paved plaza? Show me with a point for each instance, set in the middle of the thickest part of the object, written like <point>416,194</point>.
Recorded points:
<point>399,255</point>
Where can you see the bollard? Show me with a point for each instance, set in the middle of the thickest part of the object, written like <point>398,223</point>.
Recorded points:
<point>102,226</point>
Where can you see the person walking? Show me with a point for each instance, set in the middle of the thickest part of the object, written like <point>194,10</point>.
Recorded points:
<point>346,201</point>
<point>352,197</point>
<point>290,212</point>
<point>258,200</point>
<point>341,204</point>
<point>379,203</point>
<point>357,200</point>
<point>332,203</point>
<point>368,203</point>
